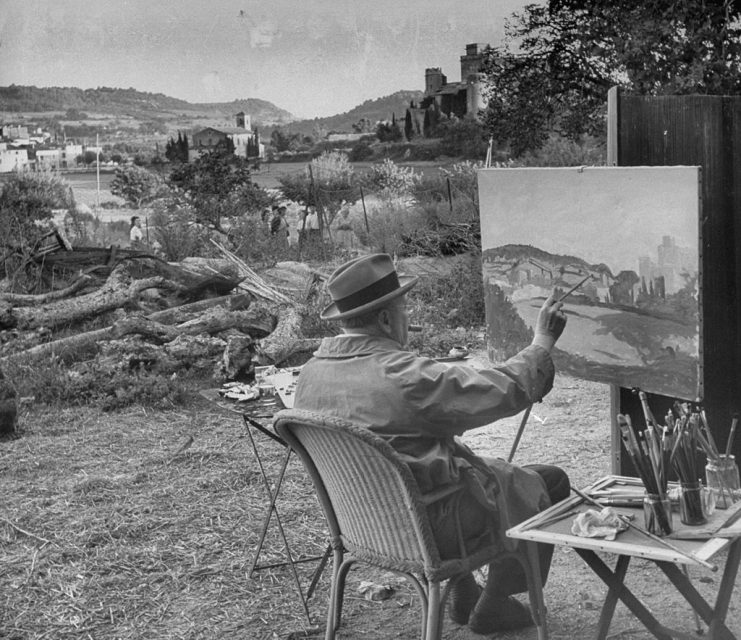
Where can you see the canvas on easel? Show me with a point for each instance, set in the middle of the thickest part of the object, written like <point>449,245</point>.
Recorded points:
<point>631,236</point>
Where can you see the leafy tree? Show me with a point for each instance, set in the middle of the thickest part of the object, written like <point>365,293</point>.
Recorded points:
<point>27,201</point>
<point>389,131</point>
<point>177,150</point>
<point>390,180</point>
<point>88,157</point>
<point>284,141</point>
<point>74,114</point>
<point>408,126</point>
<point>461,137</point>
<point>219,185</point>
<point>559,61</point>
<point>136,185</point>
<point>364,125</point>
<point>325,183</point>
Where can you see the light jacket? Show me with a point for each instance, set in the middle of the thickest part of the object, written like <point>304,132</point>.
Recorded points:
<point>418,404</point>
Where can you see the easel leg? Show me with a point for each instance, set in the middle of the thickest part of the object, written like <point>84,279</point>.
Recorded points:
<point>713,617</point>
<point>273,494</point>
<point>717,624</point>
<point>608,609</point>
<point>617,586</point>
<point>271,508</point>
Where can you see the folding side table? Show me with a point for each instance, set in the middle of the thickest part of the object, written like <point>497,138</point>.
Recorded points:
<point>267,411</point>
<point>723,532</point>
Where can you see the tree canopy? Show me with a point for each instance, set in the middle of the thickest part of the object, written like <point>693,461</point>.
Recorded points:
<point>219,185</point>
<point>136,185</point>
<point>327,182</point>
<point>559,61</point>
<point>28,198</point>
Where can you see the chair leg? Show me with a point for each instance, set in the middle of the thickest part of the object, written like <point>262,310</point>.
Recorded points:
<point>433,626</point>
<point>335,596</point>
<point>531,563</point>
<point>334,613</point>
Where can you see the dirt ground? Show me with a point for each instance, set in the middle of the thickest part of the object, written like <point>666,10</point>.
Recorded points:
<point>142,524</point>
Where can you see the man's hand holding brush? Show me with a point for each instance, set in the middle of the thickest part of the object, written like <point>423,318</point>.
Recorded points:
<point>550,323</point>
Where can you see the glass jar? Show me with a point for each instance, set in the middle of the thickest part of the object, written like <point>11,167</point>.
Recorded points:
<point>691,504</point>
<point>657,514</point>
<point>721,477</point>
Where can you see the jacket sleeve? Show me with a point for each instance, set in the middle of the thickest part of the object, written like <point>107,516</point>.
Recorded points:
<point>449,400</point>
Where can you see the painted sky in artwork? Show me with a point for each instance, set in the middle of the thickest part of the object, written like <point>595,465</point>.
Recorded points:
<point>612,215</point>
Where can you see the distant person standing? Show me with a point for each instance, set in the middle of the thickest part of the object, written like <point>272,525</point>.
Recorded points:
<point>279,230</point>
<point>344,234</point>
<point>136,236</point>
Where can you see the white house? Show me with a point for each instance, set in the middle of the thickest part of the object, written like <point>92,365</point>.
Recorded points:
<point>12,158</point>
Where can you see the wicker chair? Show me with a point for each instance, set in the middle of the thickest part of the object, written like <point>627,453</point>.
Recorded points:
<point>377,515</point>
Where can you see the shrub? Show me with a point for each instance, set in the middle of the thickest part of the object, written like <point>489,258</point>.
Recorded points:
<point>53,383</point>
<point>389,180</point>
<point>561,152</point>
<point>176,231</point>
<point>250,239</point>
<point>389,225</point>
<point>454,299</point>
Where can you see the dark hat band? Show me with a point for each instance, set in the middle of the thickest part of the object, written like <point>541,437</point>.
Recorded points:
<point>378,289</point>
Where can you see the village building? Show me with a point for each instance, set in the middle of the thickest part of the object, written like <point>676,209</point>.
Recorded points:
<point>443,98</point>
<point>12,157</point>
<point>245,141</point>
<point>14,132</point>
<point>58,157</point>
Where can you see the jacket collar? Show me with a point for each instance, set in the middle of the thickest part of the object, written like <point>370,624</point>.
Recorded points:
<point>346,346</point>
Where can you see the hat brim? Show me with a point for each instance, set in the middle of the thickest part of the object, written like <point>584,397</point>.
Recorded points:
<point>333,313</point>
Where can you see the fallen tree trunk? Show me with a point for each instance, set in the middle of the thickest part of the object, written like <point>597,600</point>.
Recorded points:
<point>26,299</point>
<point>120,288</point>
<point>82,345</point>
<point>287,339</point>
<point>255,322</point>
<point>124,284</point>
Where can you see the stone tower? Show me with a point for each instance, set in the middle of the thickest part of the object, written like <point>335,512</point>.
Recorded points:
<point>470,74</point>
<point>244,121</point>
<point>434,80</point>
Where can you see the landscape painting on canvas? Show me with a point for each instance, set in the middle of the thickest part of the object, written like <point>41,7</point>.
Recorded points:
<point>632,235</point>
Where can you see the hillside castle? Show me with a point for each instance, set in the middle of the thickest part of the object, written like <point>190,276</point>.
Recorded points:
<point>443,98</point>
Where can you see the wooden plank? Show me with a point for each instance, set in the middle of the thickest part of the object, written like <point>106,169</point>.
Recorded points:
<point>705,131</point>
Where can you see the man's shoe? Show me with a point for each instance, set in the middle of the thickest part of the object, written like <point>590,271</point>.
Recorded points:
<point>499,614</point>
<point>463,598</point>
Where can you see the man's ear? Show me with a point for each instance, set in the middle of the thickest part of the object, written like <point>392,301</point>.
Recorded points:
<point>384,321</point>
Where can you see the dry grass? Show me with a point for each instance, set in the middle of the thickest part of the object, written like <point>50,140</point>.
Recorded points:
<point>106,533</point>
<point>112,527</point>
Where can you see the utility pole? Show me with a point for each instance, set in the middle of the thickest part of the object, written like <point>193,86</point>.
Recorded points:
<point>97,173</point>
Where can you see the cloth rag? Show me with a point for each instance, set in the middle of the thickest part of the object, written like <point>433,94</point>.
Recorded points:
<point>598,524</point>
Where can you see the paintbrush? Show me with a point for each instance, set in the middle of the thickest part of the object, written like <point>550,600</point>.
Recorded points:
<point>729,444</point>
<point>655,538</point>
<point>550,520</point>
<point>574,288</point>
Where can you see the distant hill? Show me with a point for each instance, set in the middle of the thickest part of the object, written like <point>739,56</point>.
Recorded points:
<point>105,101</point>
<point>374,110</point>
<point>129,104</point>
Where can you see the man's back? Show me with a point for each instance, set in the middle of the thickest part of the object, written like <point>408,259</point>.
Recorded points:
<point>418,404</point>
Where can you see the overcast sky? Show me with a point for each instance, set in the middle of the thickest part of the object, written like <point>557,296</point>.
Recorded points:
<point>310,57</point>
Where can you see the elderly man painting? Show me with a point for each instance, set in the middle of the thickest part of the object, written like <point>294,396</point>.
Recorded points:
<point>419,405</point>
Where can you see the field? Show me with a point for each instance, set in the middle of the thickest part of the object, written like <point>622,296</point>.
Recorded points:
<point>142,524</point>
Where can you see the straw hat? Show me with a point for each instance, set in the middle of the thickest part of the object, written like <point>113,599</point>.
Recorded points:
<point>364,284</point>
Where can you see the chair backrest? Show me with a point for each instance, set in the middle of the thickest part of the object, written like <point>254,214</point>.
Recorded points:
<point>372,502</point>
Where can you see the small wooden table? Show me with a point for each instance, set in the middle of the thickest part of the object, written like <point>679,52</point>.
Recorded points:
<point>251,412</point>
<point>725,533</point>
